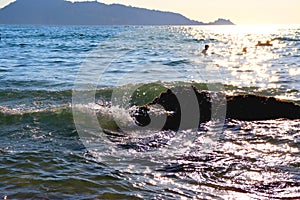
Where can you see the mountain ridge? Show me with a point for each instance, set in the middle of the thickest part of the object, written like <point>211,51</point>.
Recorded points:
<point>60,12</point>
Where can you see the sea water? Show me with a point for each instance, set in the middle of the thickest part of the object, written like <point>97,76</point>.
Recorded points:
<point>45,153</point>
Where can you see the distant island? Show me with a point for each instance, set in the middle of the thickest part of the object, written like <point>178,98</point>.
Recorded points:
<point>221,21</point>
<point>61,12</point>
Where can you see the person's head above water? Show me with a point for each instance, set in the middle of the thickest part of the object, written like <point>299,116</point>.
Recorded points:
<point>204,51</point>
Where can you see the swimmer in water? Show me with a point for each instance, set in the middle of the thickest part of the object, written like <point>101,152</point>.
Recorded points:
<point>268,43</point>
<point>244,50</point>
<point>204,51</point>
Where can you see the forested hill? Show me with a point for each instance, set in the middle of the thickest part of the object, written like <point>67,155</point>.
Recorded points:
<point>60,12</point>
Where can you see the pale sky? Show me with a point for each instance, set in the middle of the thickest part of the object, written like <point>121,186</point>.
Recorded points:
<point>238,11</point>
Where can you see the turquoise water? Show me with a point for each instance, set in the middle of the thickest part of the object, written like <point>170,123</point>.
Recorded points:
<point>44,154</point>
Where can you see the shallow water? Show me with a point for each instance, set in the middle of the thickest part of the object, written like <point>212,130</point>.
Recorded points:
<point>44,154</point>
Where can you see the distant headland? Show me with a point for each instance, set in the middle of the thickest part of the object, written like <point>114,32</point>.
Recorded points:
<point>61,12</point>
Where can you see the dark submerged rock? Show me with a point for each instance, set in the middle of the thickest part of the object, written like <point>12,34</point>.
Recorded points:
<point>240,107</point>
<point>252,107</point>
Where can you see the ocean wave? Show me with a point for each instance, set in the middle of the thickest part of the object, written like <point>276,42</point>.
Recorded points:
<point>199,40</point>
<point>287,39</point>
<point>143,93</point>
<point>177,62</point>
<point>43,104</point>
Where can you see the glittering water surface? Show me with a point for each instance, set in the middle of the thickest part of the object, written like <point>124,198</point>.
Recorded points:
<point>42,155</point>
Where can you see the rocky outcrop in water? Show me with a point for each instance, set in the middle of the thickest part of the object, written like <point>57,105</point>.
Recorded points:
<point>178,103</point>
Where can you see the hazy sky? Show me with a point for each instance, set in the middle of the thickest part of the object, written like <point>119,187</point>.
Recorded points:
<point>238,11</point>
